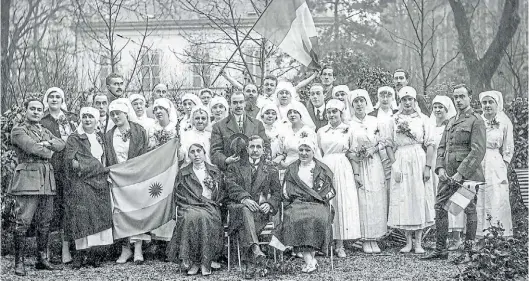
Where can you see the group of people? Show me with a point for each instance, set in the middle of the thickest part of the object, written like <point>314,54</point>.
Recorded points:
<point>332,169</point>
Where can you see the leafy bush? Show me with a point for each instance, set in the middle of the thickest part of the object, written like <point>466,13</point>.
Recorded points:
<point>518,113</point>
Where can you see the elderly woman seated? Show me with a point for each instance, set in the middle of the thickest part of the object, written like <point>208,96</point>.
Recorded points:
<point>307,215</point>
<point>198,235</point>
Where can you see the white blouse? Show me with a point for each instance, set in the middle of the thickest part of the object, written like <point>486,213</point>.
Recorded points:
<point>121,148</point>
<point>95,147</point>
<point>306,173</point>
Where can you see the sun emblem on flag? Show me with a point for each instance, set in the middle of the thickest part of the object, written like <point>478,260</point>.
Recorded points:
<point>155,189</point>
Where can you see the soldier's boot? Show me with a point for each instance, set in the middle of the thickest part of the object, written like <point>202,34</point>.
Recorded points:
<point>20,245</point>
<point>42,246</point>
<point>441,225</point>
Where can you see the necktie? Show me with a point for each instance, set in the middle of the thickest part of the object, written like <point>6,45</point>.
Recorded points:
<point>319,114</point>
<point>240,125</point>
<point>254,170</point>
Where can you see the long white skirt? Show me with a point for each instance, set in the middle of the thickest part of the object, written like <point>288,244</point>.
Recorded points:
<point>493,197</point>
<point>104,237</point>
<point>411,205</point>
<point>372,198</point>
<point>346,224</point>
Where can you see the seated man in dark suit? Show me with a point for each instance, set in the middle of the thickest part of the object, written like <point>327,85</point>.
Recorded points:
<point>254,195</point>
<point>237,122</point>
<point>316,105</point>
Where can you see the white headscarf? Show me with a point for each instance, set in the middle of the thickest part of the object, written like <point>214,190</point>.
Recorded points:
<point>194,98</point>
<point>86,110</point>
<point>286,86</point>
<point>219,100</point>
<point>408,91</point>
<point>199,108</point>
<point>387,89</point>
<point>124,105</point>
<point>305,116</point>
<point>498,97</point>
<point>205,90</point>
<point>335,103</point>
<point>267,106</point>
<point>340,88</point>
<point>447,103</point>
<point>169,106</point>
<point>360,93</point>
<point>54,90</point>
<point>134,97</point>
<point>313,146</point>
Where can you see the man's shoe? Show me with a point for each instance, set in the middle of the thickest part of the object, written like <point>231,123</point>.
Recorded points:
<point>43,263</point>
<point>436,255</point>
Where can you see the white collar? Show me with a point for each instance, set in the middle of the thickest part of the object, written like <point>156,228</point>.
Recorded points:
<point>254,163</point>
<point>322,107</point>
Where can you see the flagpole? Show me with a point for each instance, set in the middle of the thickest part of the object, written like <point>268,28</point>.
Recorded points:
<point>239,46</point>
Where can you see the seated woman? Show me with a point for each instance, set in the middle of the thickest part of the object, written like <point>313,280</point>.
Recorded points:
<point>88,211</point>
<point>198,234</point>
<point>307,215</point>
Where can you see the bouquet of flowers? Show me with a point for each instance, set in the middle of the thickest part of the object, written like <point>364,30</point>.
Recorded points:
<point>362,153</point>
<point>493,123</point>
<point>210,183</point>
<point>403,128</point>
<point>162,136</point>
<point>125,136</point>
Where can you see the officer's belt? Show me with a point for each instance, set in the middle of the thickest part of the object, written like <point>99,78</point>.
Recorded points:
<point>43,161</point>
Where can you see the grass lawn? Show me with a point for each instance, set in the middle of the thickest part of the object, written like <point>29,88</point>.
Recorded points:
<point>389,265</point>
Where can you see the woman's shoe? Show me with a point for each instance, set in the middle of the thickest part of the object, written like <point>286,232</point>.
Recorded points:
<point>419,250</point>
<point>406,249</point>
<point>366,246</point>
<point>215,265</point>
<point>375,248</point>
<point>193,270</point>
<point>340,252</point>
<point>66,256</point>
<point>205,270</point>
<point>313,267</point>
<point>126,254</point>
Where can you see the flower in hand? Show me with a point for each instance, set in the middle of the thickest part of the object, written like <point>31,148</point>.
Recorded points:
<point>403,128</point>
<point>363,153</point>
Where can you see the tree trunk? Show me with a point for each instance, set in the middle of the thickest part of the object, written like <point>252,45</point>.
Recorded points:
<point>5,64</point>
<point>481,70</point>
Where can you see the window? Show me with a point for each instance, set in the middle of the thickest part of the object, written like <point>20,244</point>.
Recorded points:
<point>150,69</point>
<point>253,60</point>
<point>104,62</point>
<point>106,69</point>
<point>201,68</point>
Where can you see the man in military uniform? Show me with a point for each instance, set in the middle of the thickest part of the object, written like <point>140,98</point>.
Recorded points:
<point>33,184</point>
<point>459,157</point>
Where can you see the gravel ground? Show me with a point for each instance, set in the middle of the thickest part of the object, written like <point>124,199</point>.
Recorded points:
<point>389,265</point>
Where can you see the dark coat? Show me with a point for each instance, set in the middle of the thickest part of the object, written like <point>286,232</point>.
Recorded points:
<point>138,145</point>
<point>34,173</point>
<point>52,125</point>
<point>319,123</point>
<point>87,199</point>
<point>462,147</point>
<point>240,186</point>
<point>224,129</point>
<point>307,216</point>
<point>198,234</point>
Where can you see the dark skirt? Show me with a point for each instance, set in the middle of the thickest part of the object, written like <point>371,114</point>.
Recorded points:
<point>87,207</point>
<point>198,235</point>
<point>306,225</point>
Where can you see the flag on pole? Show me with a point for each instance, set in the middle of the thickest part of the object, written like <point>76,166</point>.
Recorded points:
<point>142,191</point>
<point>462,197</point>
<point>288,24</point>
